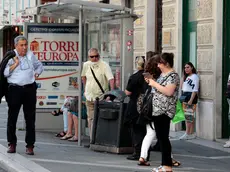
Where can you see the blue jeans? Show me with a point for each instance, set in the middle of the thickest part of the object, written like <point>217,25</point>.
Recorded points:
<point>65,118</point>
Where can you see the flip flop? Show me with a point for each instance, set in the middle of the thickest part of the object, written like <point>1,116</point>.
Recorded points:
<point>143,162</point>
<point>73,139</point>
<point>66,137</point>
<point>61,134</point>
<point>161,168</point>
<point>175,163</point>
<point>55,113</point>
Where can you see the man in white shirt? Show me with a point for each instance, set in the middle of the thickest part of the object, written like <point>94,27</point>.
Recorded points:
<point>21,72</point>
<point>105,77</point>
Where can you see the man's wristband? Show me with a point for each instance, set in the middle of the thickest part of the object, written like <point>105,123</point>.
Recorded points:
<point>37,75</point>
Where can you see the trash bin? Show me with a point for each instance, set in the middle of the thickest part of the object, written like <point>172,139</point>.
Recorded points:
<point>109,134</point>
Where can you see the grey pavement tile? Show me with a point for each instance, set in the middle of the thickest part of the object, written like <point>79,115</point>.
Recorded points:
<point>62,156</point>
<point>183,147</point>
<point>2,170</point>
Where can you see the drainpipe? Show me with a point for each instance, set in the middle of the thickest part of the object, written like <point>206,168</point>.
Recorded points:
<point>37,19</point>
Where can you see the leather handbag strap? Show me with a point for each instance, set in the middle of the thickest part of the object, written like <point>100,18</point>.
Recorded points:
<point>167,77</point>
<point>97,80</point>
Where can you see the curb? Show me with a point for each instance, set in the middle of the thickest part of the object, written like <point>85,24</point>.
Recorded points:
<point>18,163</point>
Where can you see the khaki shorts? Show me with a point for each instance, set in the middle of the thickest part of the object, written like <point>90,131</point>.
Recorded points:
<point>90,109</point>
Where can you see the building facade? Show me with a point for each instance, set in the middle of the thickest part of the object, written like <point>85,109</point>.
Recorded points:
<point>196,31</point>
<point>12,19</point>
<point>193,30</point>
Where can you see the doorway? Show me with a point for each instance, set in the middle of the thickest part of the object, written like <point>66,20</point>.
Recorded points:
<point>226,69</point>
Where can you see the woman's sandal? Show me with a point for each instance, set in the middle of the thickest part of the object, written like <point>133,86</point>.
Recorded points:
<point>61,134</point>
<point>175,163</point>
<point>161,169</point>
<point>55,113</point>
<point>143,162</point>
<point>73,139</point>
<point>66,137</point>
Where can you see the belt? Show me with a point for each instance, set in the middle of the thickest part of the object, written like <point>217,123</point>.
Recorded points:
<point>22,86</point>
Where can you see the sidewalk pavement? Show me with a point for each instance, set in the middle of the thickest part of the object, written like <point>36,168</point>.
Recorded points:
<point>55,155</point>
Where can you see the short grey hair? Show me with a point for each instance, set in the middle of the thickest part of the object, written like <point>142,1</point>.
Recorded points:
<point>93,50</point>
<point>19,38</point>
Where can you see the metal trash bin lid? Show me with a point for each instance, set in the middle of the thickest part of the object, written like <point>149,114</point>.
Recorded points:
<point>115,94</point>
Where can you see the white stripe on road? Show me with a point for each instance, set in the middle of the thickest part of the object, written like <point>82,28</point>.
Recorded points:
<point>178,155</point>
<point>202,157</point>
<point>44,143</point>
<point>18,163</point>
<point>219,157</point>
<point>132,167</point>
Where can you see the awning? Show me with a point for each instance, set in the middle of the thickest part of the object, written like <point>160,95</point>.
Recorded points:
<point>69,9</point>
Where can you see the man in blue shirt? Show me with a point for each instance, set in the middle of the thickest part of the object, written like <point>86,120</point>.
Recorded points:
<point>21,72</point>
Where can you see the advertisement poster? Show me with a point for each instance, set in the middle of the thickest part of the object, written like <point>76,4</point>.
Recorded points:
<point>57,47</point>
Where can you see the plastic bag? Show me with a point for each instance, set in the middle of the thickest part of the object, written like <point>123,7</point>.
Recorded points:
<point>179,117</point>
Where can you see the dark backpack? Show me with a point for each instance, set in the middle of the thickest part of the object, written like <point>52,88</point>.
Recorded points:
<point>146,108</point>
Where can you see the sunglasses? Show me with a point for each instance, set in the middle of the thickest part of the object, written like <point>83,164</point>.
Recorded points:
<point>96,56</point>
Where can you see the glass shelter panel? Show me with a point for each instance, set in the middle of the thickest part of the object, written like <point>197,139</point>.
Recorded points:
<point>106,36</point>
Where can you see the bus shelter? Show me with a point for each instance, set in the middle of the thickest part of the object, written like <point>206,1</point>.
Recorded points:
<point>63,47</point>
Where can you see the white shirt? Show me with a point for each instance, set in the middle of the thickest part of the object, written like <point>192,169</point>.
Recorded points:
<point>103,73</point>
<point>191,84</point>
<point>24,73</point>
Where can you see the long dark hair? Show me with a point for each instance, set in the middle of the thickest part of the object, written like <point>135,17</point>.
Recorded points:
<point>152,68</point>
<point>167,58</point>
<point>150,54</point>
<point>193,70</point>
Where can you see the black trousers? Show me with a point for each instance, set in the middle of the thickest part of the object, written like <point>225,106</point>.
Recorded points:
<point>18,96</point>
<point>138,134</point>
<point>162,126</point>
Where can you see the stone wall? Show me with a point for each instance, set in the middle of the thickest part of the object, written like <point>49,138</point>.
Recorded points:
<point>172,30</point>
<point>144,27</point>
<point>209,58</point>
<point>172,35</point>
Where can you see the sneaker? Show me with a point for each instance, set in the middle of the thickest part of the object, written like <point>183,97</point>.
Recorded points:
<point>11,148</point>
<point>184,137</point>
<point>133,157</point>
<point>30,150</point>
<point>191,136</point>
<point>227,144</point>
<point>87,146</point>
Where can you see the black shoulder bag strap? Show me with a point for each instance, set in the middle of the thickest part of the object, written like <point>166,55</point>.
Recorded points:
<point>167,78</point>
<point>97,81</point>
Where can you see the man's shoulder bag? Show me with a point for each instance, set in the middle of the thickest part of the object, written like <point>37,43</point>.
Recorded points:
<point>102,90</point>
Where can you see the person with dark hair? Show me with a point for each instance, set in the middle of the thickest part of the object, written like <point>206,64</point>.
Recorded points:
<point>190,87</point>
<point>227,144</point>
<point>136,86</point>
<point>21,73</point>
<point>164,106</point>
<point>154,72</point>
<point>150,54</point>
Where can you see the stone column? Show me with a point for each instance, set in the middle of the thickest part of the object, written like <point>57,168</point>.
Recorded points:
<point>115,2</point>
<point>172,34</point>
<point>144,27</point>
<point>209,65</point>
